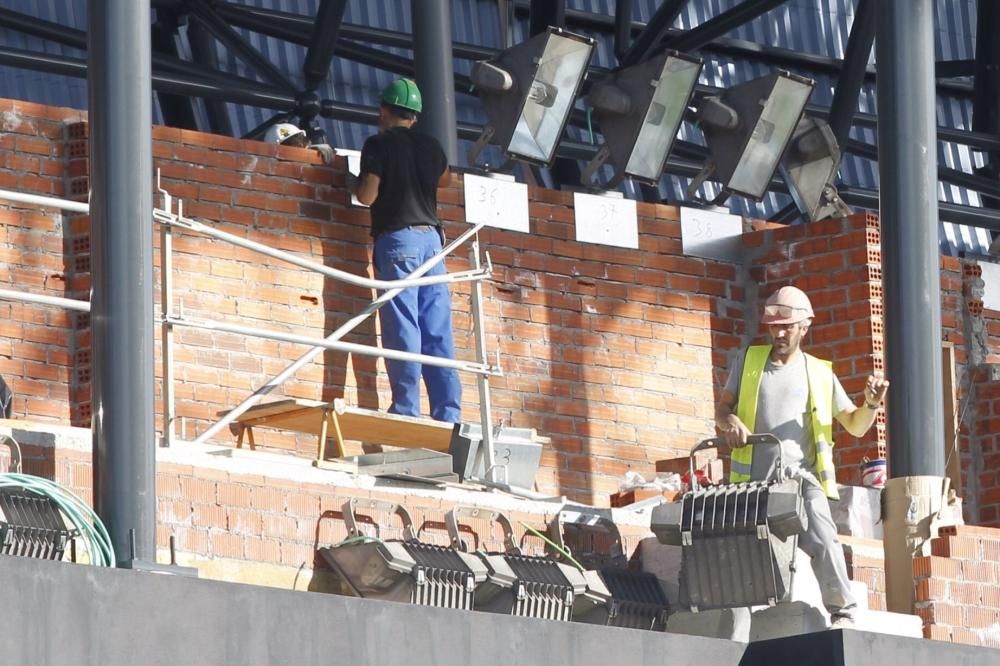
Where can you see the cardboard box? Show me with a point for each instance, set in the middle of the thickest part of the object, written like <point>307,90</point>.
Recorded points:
<point>707,462</point>
<point>627,497</point>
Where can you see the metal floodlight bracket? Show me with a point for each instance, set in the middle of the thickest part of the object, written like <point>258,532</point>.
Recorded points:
<point>809,166</point>
<point>453,520</point>
<point>713,111</point>
<point>351,506</point>
<point>748,127</point>
<point>487,76</point>
<point>588,175</point>
<point>485,137</point>
<point>528,92</point>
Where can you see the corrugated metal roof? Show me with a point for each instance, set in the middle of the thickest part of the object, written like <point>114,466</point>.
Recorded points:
<point>812,26</point>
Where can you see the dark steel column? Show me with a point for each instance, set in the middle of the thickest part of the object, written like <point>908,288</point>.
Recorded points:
<point>907,146</point>
<point>122,303</point>
<point>435,71</point>
<point>986,95</point>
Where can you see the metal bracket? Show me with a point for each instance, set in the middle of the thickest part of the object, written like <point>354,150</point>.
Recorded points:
<point>453,520</point>
<point>590,522</point>
<point>15,452</point>
<point>350,507</point>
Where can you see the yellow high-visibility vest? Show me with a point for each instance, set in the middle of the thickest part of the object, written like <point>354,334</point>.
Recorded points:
<point>819,374</point>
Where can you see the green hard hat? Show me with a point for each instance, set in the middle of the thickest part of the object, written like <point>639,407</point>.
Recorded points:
<point>403,93</point>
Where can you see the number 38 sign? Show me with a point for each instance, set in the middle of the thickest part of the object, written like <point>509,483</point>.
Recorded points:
<point>497,202</point>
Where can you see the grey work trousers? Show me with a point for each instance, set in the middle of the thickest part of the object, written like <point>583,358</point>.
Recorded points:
<point>820,543</point>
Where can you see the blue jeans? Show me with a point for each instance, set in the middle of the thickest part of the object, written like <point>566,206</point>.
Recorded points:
<point>417,320</point>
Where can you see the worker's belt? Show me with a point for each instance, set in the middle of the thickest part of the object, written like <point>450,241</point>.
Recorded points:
<point>415,227</point>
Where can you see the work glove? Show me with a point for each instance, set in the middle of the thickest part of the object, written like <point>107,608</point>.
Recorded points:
<point>325,151</point>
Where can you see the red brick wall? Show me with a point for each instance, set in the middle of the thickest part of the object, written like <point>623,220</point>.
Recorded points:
<point>37,351</point>
<point>957,587</point>
<point>839,264</point>
<point>615,354</point>
<point>270,518</point>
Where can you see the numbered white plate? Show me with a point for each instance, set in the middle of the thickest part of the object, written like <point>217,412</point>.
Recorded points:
<point>608,220</point>
<point>711,234</point>
<point>497,202</point>
<point>354,167</point>
<point>991,278</point>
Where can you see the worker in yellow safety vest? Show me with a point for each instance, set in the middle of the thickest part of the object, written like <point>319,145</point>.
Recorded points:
<point>779,389</point>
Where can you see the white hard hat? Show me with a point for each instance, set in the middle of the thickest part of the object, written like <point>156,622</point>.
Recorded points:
<point>788,305</point>
<point>282,132</point>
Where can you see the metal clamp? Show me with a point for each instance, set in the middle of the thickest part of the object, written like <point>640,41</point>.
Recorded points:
<point>350,508</point>
<point>15,452</point>
<point>453,520</point>
<point>589,521</point>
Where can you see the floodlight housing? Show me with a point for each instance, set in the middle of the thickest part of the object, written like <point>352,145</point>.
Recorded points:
<point>528,92</point>
<point>809,167</point>
<point>747,128</point>
<point>639,110</point>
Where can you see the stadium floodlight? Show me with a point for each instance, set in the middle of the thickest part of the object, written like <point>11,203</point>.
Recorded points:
<point>809,167</point>
<point>528,92</point>
<point>639,110</point>
<point>747,128</point>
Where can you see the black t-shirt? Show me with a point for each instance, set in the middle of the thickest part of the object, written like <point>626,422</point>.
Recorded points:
<point>408,164</point>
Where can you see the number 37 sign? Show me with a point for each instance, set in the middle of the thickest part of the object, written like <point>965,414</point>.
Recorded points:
<point>606,219</point>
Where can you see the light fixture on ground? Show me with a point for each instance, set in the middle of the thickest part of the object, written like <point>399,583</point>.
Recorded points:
<point>528,92</point>
<point>639,110</point>
<point>809,167</point>
<point>747,128</point>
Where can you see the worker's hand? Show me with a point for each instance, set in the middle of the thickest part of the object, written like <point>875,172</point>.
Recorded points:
<point>325,151</point>
<point>734,432</point>
<point>875,390</point>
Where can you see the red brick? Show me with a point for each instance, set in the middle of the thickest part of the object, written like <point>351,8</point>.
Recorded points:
<point>937,632</point>
<point>262,550</point>
<point>979,618</point>
<point>936,612</point>
<point>937,567</point>
<point>962,548</point>
<point>984,572</point>
<point>227,545</point>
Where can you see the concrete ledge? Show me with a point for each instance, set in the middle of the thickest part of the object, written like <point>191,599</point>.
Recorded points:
<point>69,614</point>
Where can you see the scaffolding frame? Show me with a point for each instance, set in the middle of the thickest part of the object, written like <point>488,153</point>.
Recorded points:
<point>170,317</point>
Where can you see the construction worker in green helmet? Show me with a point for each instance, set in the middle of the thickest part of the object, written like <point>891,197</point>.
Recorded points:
<point>401,169</point>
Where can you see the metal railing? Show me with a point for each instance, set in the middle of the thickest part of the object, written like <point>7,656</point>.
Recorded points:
<point>170,318</point>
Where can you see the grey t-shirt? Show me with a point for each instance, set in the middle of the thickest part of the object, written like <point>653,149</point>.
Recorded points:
<point>782,404</point>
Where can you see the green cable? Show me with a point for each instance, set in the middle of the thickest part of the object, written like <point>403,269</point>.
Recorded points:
<point>361,538</point>
<point>590,124</point>
<point>559,549</point>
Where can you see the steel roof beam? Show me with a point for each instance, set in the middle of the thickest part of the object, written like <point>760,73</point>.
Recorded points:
<point>177,110</point>
<point>543,13</point>
<point>323,42</point>
<point>947,69</point>
<point>727,21</point>
<point>234,41</point>
<point>651,34</point>
<point>844,105</point>
<point>74,38</point>
<point>203,51</point>
<point>171,83</point>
